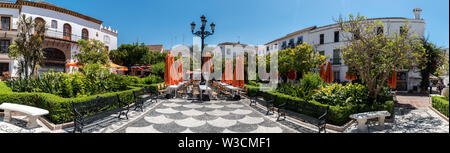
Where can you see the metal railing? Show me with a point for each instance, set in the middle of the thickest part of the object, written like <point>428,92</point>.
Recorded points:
<point>60,35</point>
<point>336,61</point>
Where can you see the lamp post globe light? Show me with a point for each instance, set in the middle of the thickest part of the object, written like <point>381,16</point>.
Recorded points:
<point>202,33</point>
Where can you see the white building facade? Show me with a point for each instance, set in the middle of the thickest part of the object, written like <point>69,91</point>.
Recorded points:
<point>64,29</point>
<point>328,39</point>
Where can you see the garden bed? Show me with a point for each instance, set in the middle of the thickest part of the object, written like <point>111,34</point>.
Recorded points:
<point>60,109</point>
<point>337,115</point>
<point>441,104</point>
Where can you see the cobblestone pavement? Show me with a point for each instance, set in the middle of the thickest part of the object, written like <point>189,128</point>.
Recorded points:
<point>18,125</point>
<point>184,116</point>
<point>407,120</point>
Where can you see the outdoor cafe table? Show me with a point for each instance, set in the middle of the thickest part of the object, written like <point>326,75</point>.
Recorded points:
<point>174,88</point>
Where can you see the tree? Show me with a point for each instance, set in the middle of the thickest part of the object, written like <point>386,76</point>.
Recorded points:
<point>27,48</point>
<point>431,61</point>
<point>375,54</point>
<point>130,54</point>
<point>302,59</point>
<point>92,52</point>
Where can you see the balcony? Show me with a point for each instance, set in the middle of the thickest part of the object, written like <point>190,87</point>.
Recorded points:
<point>336,61</point>
<point>60,35</point>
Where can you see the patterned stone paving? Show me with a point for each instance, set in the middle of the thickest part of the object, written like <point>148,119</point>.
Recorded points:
<point>184,116</point>
<point>407,120</point>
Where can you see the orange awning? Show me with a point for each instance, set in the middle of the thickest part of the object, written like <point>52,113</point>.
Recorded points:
<point>122,69</point>
<point>73,64</point>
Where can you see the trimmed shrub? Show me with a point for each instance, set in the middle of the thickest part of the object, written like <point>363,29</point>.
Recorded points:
<point>4,88</point>
<point>158,69</point>
<point>337,115</point>
<point>441,104</point>
<point>152,79</point>
<point>60,109</point>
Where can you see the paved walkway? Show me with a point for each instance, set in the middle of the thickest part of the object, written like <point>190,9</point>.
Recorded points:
<point>420,120</point>
<point>185,116</point>
<point>413,101</point>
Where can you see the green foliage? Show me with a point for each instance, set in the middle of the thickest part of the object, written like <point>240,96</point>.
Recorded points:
<point>92,52</point>
<point>337,115</point>
<point>158,69</point>
<point>152,79</point>
<point>27,48</point>
<point>134,79</point>
<point>60,109</point>
<point>302,59</point>
<point>375,55</point>
<point>153,57</point>
<point>441,104</point>
<point>309,85</point>
<point>4,88</point>
<point>131,54</point>
<point>429,64</point>
<point>94,81</point>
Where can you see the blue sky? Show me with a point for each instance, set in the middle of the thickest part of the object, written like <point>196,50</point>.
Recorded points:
<point>253,22</point>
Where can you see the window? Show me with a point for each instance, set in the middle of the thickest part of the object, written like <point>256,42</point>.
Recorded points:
<point>4,46</point>
<point>322,38</point>
<point>85,34</point>
<point>300,40</point>
<point>54,24</point>
<point>284,45</point>
<point>67,33</point>
<point>336,57</point>
<point>4,67</point>
<point>336,36</point>
<point>106,39</point>
<point>380,30</point>
<point>322,53</point>
<point>6,23</point>
<point>292,43</point>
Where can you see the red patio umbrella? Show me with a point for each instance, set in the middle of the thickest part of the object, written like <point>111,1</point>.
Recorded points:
<point>180,70</point>
<point>392,80</point>
<point>350,77</point>
<point>329,73</point>
<point>227,73</point>
<point>292,75</point>
<point>238,77</point>
<point>322,72</point>
<point>170,73</point>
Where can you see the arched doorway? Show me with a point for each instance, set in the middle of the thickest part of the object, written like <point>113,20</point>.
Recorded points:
<point>54,59</point>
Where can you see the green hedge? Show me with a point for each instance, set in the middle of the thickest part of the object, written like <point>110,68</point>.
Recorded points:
<point>337,115</point>
<point>60,109</point>
<point>4,88</point>
<point>441,104</point>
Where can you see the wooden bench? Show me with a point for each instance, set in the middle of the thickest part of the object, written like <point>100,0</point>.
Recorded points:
<point>93,111</point>
<point>32,113</point>
<point>317,115</point>
<point>362,118</point>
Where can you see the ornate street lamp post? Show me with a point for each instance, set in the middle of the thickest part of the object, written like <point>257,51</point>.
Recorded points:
<point>203,34</point>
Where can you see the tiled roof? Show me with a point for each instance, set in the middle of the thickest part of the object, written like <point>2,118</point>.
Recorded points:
<point>46,5</point>
<point>232,43</point>
<point>155,47</point>
<point>294,33</point>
